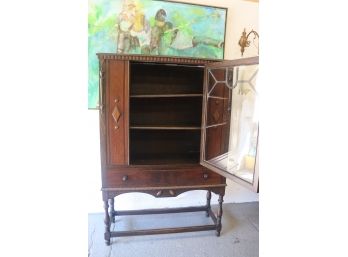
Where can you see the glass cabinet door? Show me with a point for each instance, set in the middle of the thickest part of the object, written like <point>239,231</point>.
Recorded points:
<point>230,121</point>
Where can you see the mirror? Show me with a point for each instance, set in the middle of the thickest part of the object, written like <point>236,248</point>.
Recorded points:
<point>231,124</point>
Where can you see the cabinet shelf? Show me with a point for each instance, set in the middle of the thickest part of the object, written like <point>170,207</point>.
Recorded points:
<point>164,146</point>
<point>166,127</point>
<point>166,112</point>
<point>173,80</point>
<point>160,159</point>
<point>165,95</point>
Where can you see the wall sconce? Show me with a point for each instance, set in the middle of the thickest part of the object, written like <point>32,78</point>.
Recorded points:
<point>244,42</point>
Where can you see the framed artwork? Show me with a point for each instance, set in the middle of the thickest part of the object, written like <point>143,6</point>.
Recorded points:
<point>152,27</point>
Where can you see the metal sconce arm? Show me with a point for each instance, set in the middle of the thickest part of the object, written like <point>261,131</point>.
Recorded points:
<point>244,42</point>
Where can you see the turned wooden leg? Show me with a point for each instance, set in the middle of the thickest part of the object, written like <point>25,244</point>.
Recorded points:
<point>112,210</point>
<point>107,223</point>
<point>208,202</point>
<point>219,215</point>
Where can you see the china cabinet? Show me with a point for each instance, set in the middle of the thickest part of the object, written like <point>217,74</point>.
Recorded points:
<point>170,125</point>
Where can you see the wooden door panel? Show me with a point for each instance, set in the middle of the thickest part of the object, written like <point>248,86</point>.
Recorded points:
<point>229,140</point>
<point>216,118</point>
<point>117,85</point>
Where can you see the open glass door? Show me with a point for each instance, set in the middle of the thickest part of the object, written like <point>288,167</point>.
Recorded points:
<point>230,121</point>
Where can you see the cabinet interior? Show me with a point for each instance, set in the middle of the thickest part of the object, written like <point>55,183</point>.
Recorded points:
<point>165,113</point>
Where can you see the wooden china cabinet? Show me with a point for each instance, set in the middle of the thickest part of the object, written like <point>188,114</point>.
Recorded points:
<point>170,125</point>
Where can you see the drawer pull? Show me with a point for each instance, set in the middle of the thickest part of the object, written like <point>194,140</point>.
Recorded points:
<point>205,176</point>
<point>171,192</point>
<point>125,178</point>
<point>159,193</point>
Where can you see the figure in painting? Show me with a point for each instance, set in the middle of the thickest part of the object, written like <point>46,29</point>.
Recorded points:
<point>132,27</point>
<point>157,30</point>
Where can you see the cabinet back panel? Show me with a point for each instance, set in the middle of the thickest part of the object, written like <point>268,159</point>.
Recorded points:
<point>166,111</point>
<point>151,79</point>
<point>164,146</point>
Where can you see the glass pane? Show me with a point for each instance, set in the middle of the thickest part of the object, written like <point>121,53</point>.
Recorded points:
<point>231,120</point>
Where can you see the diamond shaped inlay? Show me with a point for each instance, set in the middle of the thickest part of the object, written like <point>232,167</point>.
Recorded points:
<point>116,114</point>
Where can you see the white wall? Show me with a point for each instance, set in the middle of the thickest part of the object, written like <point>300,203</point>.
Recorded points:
<point>241,14</point>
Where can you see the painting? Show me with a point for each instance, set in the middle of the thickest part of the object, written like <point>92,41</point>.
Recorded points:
<point>151,27</point>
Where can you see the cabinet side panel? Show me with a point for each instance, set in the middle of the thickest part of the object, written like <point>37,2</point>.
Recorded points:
<point>117,113</point>
<point>102,117</point>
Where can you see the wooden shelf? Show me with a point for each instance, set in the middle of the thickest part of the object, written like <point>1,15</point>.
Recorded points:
<point>166,95</point>
<point>166,127</point>
<point>158,159</point>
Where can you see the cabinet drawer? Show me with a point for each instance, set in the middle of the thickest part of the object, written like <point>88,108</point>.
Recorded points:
<point>130,178</point>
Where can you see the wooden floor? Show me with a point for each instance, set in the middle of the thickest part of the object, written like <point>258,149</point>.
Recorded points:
<point>239,236</point>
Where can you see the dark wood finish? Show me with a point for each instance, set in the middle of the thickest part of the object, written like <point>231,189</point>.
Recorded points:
<point>112,210</point>
<point>167,80</point>
<point>160,211</point>
<point>164,146</point>
<point>219,216</point>
<point>236,62</point>
<point>214,139</point>
<point>102,117</point>
<point>177,111</point>
<point>163,231</point>
<point>117,100</point>
<point>107,222</point>
<point>167,95</point>
<point>218,133</point>
<point>193,176</point>
<point>150,134</point>
<point>165,127</point>
<point>154,59</point>
<point>162,191</point>
<point>208,203</point>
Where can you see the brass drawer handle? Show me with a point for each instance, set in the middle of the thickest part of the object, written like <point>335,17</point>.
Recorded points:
<point>205,176</point>
<point>116,114</point>
<point>125,178</point>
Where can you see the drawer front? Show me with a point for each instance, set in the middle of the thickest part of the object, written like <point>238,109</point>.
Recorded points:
<point>132,178</point>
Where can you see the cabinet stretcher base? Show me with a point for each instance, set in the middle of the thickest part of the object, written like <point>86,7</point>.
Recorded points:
<point>165,230</point>
<point>112,213</point>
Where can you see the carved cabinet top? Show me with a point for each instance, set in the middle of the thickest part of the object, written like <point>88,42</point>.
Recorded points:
<point>154,58</point>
